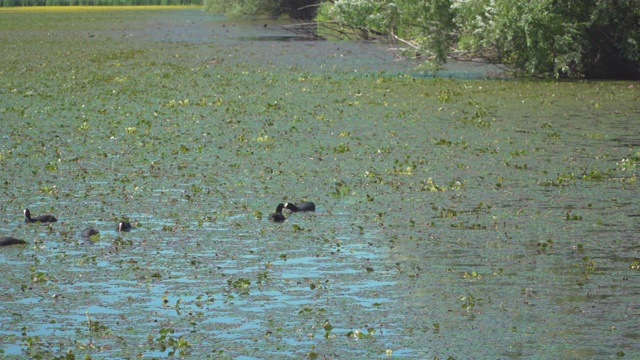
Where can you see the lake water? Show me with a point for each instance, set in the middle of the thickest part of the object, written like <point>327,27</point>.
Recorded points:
<point>456,218</point>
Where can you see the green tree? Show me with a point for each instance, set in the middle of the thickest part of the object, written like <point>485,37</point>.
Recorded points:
<point>424,26</point>
<point>561,38</point>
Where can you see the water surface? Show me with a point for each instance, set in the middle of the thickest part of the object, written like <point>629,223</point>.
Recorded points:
<point>461,218</point>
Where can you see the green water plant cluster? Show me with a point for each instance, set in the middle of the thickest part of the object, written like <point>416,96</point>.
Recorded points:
<point>544,247</point>
<point>171,345</point>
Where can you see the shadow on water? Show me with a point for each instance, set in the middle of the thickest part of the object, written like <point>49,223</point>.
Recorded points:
<point>278,38</point>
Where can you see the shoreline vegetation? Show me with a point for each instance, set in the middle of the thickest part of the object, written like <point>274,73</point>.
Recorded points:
<point>597,39</point>
<point>567,41</point>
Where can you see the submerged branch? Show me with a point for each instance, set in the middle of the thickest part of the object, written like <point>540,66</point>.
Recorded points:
<point>405,41</point>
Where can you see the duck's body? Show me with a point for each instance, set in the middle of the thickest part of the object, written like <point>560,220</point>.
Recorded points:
<point>304,206</point>
<point>277,216</point>
<point>6,241</point>
<point>124,226</point>
<point>42,218</point>
<point>88,232</point>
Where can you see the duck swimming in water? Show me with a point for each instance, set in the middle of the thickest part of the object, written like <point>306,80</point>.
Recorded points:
<point>124,226</point>
<point>89,232</point>
<point>305,206</point>
<point>6,241</point>
<point>277,216</point>
<point>42,218</point>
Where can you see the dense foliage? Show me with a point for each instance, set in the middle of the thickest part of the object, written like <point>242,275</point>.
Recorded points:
<point>562,38</point>
<point>13,3</point>
<point>294,9</point>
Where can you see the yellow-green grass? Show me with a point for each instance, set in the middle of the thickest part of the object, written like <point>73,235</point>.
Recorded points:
<point>27,9</point>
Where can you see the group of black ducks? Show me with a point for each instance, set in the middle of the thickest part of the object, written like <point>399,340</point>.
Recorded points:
<point>126,226</point>
<point>88,232</point>
<point>279,217</point>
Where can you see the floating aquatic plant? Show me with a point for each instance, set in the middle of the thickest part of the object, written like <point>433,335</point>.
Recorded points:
<point>627,165</point>
<point>429,185</point>
<point>594,175</point>
<point>175,347</point>
<point>545,246</point>
<point>341,189</point>
<point>562,180</point>
<point>469,302</point>
<point>572,217</point>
